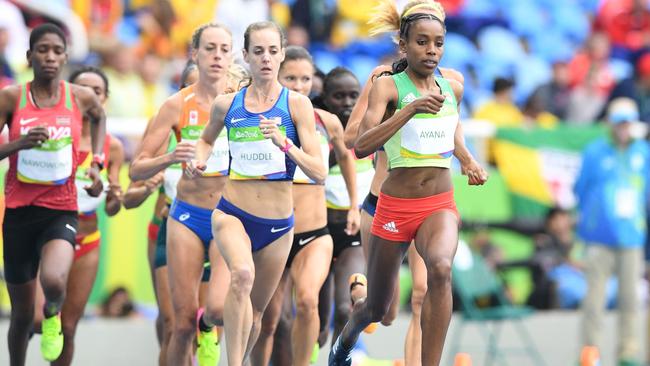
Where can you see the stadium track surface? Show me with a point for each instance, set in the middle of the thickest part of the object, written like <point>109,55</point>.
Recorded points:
<point>132,342</point>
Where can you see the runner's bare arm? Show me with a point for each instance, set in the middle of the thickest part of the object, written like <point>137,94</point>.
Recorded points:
<point>308,157</point>
<point>139,190</point>
<point>348,168</point>
<point>359,110</point>
<point>210,133</point>
<point>469,166</point>
<point>115,161</point>
<point>148,162</point>
<point>343,155</point>
<point>93,111</point>
<point>8,98</point>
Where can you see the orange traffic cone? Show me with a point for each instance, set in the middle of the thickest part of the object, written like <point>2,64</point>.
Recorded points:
<point>589,356</point>
<point>462,359</point>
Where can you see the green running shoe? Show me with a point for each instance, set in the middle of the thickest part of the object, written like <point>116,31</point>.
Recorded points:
<point>314,354</point>
<point>208,351</point>
<point>52,338</point>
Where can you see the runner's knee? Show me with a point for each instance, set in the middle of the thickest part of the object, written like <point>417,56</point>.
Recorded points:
<point>54,285</point>
<point>439,271</point>
<point>241,280</point>
<point>184,326</point>
<point>306,303</point>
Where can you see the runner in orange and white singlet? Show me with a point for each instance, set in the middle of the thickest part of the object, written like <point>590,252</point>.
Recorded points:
<point>189,233</point>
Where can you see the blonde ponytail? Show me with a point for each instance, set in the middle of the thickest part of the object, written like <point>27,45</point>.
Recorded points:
<point>385,18</point>
<point>413,6</point>
<point>237,75</point>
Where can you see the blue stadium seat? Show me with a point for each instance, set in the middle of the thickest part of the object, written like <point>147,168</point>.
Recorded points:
<point>621,69</point>
<point>526,18</point>
<point>479,8</point>
<point>571,21</point>
<point>326,60</point>
<point>497,43</point>
<point>488,70</point>
<point>531,72</point>
<point>551,45</point>
<point>361,66</point>
<point>460,52</point>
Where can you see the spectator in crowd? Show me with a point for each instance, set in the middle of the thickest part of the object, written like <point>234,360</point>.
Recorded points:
<point>627,23</point>
<point>229,13</point>
<point>16,33</point>
<point>558,279</point>
<point>156,24</point>
<point>554,95</point>
<point>591,65</point>
<point>99,16</point>
<point>585,101</point>
<point>6,73</point>
<point>155,92</point>
<point>311,21</point>
<point>127,87</point>
<point>118,304</point>
<point>612,191</point>
<point>492,253</point>
<point>637,88</point>
<point>297,36</point>
<point>501,110</point>
<point>187,19</point>
<point>536,116</point>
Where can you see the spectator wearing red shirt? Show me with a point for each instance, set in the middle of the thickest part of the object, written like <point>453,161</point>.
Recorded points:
<point>627,23</point>
<point>593,61</point>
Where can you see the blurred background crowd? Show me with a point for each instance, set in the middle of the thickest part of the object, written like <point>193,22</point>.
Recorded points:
<point>539,79</point>
<point>558,63</point>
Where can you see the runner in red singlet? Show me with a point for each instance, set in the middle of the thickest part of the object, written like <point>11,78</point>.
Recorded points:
<point>84,268</point>
<point>45,119</point>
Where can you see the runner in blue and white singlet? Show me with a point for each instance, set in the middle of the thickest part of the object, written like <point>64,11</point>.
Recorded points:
<point>270,131</point>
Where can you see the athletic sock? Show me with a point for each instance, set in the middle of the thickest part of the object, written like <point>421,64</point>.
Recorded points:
<point>204,327</point>
<point>50,309</point>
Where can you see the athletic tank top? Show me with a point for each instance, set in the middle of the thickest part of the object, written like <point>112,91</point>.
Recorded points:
<point>87,203</point>
<point>173,174</point>
<point>251,155</point>
<point>427,140</point>
<point>336,192</point>
<point>44,176</point>
<point>190,127</point>
<point>325,147</point>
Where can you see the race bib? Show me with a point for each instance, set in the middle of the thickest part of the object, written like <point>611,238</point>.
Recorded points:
<point>86,202</point>
<point>299,176</point>
<point>253,156</point>
<point>427,138</point>
<point>336,192</point>
<point>217,164</point>
<point>48,164</point>
<point>172,175</point>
